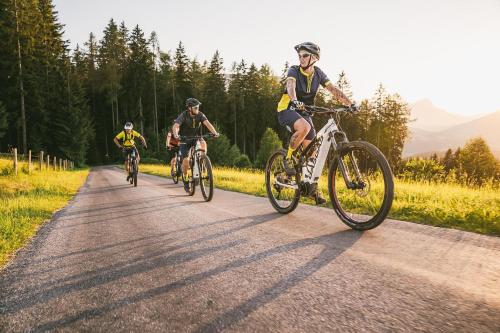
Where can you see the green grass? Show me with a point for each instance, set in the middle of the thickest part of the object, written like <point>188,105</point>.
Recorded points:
<point>26,201</point>
<point>443,205</point>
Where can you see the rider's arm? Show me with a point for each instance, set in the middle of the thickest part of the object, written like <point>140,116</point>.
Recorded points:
<point>167,141</point>
<point>117,143</point>
<point>290,88</point>
<point>339,95</point>
<point>143,141</point>
<point>210,127</point>
<point>175,130</point>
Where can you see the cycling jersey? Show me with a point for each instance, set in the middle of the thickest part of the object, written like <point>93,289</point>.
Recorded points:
<point>128,139</point>
<point>306,87</point>
<point>190,126</point>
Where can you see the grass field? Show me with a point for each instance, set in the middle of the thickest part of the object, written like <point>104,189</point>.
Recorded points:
<point>26,201</point>
<point>443,205</point>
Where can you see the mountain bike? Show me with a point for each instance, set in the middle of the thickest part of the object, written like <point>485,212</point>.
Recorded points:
<point>175,171</point>
<point>133,166</point>
<point>200,168</point>
<point>360,180</point>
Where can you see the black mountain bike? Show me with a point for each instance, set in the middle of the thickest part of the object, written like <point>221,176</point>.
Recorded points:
<point>200,168</point>
<point>133,167</point>
<point>360,180</point>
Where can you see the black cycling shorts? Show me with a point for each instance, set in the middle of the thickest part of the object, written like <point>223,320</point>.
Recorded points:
<point>288,117</point>
<point>128,150</point>
<point>185,146</point>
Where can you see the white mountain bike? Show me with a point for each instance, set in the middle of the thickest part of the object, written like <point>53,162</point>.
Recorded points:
<point>360,180</point>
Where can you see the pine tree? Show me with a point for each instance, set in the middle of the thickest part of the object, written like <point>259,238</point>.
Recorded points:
<point>214,93</point>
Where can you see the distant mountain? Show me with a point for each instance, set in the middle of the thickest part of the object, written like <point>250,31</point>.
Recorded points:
<point>424,142</point>
<point>428,117</point>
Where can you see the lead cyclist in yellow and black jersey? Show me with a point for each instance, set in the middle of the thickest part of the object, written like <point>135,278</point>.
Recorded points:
<point>125,141</point>
<point>302,85</point>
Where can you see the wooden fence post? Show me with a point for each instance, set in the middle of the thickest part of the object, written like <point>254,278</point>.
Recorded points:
<point>60,164</point>
<point>15,161</point>
<point>29,161</point>
<point>40,159</point>
<point>55,163</point>
<point>48,162</point>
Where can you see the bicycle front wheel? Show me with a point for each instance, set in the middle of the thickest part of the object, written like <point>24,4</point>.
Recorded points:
<point>136,171</point>
<point>361,185</point>
<point>206,178</point>
<point>283,191</point>
<point>174,173</point>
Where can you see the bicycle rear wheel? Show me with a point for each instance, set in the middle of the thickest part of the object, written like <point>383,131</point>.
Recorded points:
<point>206,178</point>
<point>283,191</point>
<point>364,199</point>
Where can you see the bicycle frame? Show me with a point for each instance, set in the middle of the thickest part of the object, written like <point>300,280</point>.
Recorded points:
<point>313,165</point>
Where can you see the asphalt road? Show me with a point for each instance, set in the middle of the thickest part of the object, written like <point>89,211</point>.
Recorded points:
<point>150,258</point>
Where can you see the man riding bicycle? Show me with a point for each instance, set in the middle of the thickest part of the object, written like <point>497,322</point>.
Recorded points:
<point>172,144</point>
<point>188,123</point>
<point>125,141</point>
<point>302,84</point>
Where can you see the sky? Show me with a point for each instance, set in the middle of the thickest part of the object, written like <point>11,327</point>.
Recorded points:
<point>446,51</point>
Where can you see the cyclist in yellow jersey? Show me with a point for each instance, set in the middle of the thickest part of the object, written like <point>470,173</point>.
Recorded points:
<point>301,86</point>
<point>125,141</point>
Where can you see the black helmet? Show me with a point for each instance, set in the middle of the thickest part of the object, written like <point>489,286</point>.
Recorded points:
<point>309,47</point>
<point>190,102</point>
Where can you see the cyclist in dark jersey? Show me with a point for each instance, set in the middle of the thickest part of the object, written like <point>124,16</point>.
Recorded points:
<point>188,123</point>
<point>302,85</point>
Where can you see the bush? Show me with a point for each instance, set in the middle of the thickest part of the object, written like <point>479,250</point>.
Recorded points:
<point>221,152</point>
<point>269,143</point>
<point>243,162</point>
<point>426,170</point>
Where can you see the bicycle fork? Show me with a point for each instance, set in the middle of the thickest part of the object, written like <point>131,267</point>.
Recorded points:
<point>352,185</point>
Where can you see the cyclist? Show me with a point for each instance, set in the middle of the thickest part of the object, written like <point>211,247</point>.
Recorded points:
<point>188,123</point>
<point>301,86</point>
<point>172,144</point>
<point>125,141</point>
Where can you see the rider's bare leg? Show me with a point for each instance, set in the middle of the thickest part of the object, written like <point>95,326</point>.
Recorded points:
<point>203,146</point>
<point>301,127</point>
<point>172,163</point>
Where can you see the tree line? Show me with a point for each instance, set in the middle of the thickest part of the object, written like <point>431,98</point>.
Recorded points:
<point>473,165</point>
<point>72,102</point>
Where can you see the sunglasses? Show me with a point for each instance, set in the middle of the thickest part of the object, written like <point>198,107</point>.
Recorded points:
<point>195,107</point>
<point>304,55</point>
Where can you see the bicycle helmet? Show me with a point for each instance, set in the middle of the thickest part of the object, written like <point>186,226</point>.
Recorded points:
<point>309,47</point>
<point>128,125</point>
<point>190,102</point>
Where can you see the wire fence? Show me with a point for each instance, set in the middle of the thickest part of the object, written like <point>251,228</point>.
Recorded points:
<point>12,162</point>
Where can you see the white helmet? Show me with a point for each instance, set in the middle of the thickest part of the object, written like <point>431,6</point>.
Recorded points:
<point>128,125</point>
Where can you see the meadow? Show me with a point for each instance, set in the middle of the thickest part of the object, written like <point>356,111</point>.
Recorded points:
<point>27,200</point>
<point>437,204</point>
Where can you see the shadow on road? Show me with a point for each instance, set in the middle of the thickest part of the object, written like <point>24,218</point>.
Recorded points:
<point>333,245</point>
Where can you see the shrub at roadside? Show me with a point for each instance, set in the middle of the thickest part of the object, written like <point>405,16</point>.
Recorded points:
<point>269,143</point>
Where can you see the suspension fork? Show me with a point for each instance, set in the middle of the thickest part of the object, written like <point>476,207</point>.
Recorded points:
<point>345,174</point>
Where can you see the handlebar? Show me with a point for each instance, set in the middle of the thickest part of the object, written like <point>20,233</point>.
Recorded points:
<point>322,110</point>
<point>193,137</point>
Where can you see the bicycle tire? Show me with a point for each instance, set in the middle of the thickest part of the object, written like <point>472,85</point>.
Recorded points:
<point>205,162</point>
<point>274,202</point>
<point>136,171</point>
<point>388,177</point>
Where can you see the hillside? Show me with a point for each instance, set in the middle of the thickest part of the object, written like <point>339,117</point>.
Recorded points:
<point>426,116</point>
<point>423,142</point>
